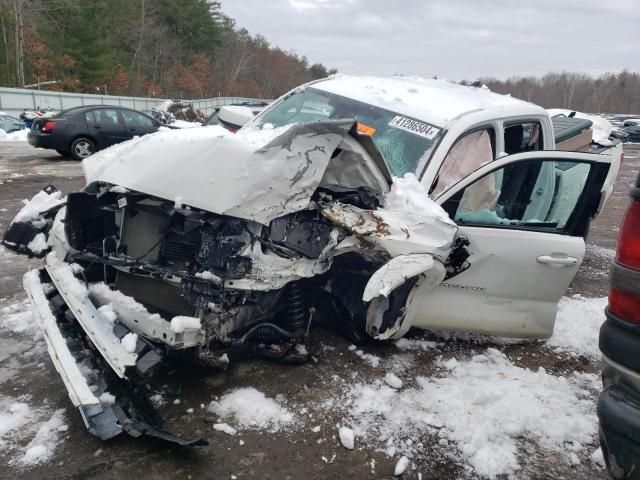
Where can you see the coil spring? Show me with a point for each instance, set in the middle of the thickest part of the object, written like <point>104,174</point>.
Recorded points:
<point>297,311</point>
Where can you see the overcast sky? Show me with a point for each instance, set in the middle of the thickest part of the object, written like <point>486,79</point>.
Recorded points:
<point>455,39</point>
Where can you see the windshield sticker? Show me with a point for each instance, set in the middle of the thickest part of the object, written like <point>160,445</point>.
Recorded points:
<point>366,130</point>
<point>413,126</point>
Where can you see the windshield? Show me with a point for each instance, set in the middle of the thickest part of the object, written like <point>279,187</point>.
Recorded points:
<point>404,142</point>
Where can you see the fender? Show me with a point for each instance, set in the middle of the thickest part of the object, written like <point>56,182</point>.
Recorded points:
<point>389,288</point>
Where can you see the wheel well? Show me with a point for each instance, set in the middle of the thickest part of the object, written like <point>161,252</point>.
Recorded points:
<point>83,135</point>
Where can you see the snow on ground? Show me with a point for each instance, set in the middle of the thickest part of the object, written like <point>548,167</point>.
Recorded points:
<point>29,435</point>
<point>251,409</point>
<point>479,407</point>
<point>578,325</point>
<point>598,251</point>
<point>17,318</point>
<point>18,136</point>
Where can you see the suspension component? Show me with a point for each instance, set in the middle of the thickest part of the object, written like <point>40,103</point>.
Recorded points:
<point>297,310</point>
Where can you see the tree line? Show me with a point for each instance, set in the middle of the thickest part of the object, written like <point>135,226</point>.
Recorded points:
<point>157,48</point>
<point>607,93</point>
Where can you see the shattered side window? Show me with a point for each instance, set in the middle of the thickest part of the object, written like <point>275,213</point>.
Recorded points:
<point>404,142</point>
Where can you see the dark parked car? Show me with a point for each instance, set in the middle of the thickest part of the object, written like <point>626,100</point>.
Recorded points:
<point>10,124</point>
<point>633,133</point>
<point>82,131</point>
<point>619,404</point>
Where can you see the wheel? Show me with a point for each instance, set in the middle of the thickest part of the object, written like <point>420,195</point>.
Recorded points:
<point>64,153</point>
<point>82,147</point>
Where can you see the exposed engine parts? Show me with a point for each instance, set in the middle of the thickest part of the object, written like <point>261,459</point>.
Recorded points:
<point>176,282</point>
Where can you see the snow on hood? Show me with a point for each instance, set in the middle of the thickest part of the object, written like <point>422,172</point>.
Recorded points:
<point>601,126</point>
<point>256,175</point>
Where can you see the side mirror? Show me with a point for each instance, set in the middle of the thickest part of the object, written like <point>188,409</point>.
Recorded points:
<point>234,116</point>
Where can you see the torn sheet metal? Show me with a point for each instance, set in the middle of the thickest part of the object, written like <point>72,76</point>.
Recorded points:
<point>388,313</point>
<point>395,272</point>
<point>226,174</point>
<point>397,232</point>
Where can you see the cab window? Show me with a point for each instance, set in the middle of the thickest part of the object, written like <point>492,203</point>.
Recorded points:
<point>522,137</point>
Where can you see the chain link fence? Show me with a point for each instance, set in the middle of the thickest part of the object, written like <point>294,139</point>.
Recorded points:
<point>15,100</point>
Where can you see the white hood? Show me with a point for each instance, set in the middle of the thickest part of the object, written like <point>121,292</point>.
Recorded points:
<point>212,169</point>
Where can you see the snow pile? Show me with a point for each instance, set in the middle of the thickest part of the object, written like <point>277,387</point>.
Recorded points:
<point>42,447</point>
<point>41,202</point>
<point>38,244</point>
<point>259,137</point>
<point>393,380</point>
<point>372,360</point>
<point>18,318</point>
<point>408,195</point>
<point>224,428</point>
<point>119,304</point>
<point>207,275</point>
<point>66,273</point>
<point>577,327</point>
<point>181,323</point>
<point>129,342</point>
<point>483,405</point>
<point>250,408</point>
<point>412,344</point>
<point>347,437</point>
<point>17,136</point>
<point>29,434</point>
<point>401,466</point>
<point>106,311</point>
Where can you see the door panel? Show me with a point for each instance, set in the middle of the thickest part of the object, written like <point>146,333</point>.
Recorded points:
<point>105,125</point>
<point>506,291</point>
<point>524,216</point>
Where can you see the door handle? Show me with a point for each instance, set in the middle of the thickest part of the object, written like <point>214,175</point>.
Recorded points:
<point>96,126</point>
<point>132,129</point>
<point>556,260</point>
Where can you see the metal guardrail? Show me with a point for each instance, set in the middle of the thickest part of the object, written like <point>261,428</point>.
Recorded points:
<point>15,100</point>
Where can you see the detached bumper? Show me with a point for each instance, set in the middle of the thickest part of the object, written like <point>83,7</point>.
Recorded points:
<point>91,361</point>
<point>100,420</point>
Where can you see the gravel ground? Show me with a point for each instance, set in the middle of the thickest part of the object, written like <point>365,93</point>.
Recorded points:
<point>26,374</point>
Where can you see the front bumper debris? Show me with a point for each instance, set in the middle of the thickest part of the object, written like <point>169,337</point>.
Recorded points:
<point>98,385</point>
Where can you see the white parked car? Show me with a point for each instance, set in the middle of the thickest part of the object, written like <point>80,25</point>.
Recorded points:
<point>372,205</point>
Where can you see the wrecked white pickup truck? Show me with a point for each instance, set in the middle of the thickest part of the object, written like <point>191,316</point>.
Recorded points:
<point>367,205</point>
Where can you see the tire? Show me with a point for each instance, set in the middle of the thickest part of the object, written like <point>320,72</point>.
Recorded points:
<point>82,148</point>
<point>64,153</point>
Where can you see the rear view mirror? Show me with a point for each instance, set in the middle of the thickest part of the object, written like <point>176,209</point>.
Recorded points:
<point>234,116</point>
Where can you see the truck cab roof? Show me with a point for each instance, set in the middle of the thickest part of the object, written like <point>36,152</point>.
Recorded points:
<point>437,102</point>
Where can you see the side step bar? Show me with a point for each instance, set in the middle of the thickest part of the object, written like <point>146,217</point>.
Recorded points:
<point>85,373</point>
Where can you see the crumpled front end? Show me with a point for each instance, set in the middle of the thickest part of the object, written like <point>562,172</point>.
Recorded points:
<point>141,273</point>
